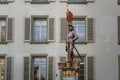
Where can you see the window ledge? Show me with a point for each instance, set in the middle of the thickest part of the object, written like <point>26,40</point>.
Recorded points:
<point>81,42</point>
<point>3,42</point>
<point>34,2</point>
<point>85,42</point>
<point>6,2</point>
<point>82,2</point>
<point>75,42</point>
<point>32,42</point>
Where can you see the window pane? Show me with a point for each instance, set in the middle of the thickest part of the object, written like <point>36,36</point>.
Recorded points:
<point>79,26</point>
<point>2,68</point>
<point>36,33</point>
<point>43,34</point>
<point>40,30</point>
<point>2,29</point>
<point>39,68</point>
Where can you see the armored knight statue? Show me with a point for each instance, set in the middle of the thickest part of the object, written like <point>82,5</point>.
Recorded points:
<point>71,38</point>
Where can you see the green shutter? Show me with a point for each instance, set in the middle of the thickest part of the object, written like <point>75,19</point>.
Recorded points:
<point>90,30</point>
<point>27,29</point>
<point>50,68</point>
<point>91,66</point>
<point>26,68</point>
<point>118,29</point>
<point>63,29</point>
<point>51,29</point>
<point>9,68</point>
<point>62,59</point>
<point>10,30</point>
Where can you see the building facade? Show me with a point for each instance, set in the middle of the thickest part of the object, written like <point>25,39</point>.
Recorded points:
<point>33,34</point>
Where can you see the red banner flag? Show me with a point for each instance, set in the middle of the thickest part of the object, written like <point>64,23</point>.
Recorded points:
<point>69,16</point>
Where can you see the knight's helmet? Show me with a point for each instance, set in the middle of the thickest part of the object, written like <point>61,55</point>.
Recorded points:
<point>70,27</point>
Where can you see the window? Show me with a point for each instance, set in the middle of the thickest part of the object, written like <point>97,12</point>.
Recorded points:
<point>6,66</point>
<point>79,27</point>
<point>42,68</point>
<point>40,30</point>
<point>2,29</point>
<point>6,29</point>
<point>39,68</point>
<point>2,68</point>
<point>40,0</point>
<point>83,26</point>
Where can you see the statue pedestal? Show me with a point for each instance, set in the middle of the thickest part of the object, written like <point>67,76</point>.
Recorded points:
<point>68,78</point>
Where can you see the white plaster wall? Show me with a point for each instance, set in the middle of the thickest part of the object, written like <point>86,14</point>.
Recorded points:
<point>105,49</point>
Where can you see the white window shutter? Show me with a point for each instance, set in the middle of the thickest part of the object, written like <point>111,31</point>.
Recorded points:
<point>51,0</point>
<point>26,68</point>
<point>63,30</point>
<point>51,29</point>
<point>91,67</point>
<point>118,29</point>
<point>90,30</point>
<point>10,0</point>
<point>51,68</point>
<point>119,66</point>
<point>27,35</point>
<point>9,30</point>
<point>118,1</point>
<point>9,68</point>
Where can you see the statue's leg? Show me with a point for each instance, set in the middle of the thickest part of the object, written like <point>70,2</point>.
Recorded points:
<point>70,52</point>
<point>70,56</point>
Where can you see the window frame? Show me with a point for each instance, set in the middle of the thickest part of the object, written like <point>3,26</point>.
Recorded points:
<point>32,25</point>
<point>6,23</point>
<point>38,56</point>
<point>77,18</point>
